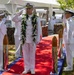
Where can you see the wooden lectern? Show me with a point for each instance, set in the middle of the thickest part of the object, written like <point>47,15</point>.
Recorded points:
<point>5,52</point>
<point>45,30</point>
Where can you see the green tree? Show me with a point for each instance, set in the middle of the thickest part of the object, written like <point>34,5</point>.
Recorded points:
<point>66,4</point>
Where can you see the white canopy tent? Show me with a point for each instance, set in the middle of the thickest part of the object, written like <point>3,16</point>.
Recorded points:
<point>12,4</point>
<point>19,2</point>
<point>45,3</point>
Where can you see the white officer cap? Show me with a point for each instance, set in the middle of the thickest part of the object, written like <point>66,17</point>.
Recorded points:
<point>2,13</point>
<point>29,5</point>
<point>69,11</point>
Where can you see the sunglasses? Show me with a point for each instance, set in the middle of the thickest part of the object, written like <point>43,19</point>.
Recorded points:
<point>29,8</point>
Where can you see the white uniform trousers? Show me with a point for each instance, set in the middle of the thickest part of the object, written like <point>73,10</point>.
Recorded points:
<point>72,48</point>
<point>69,57</point>
<point>1,57</point>
<point>29,50</point>
<point>17,45</point>
<point>61,42</point>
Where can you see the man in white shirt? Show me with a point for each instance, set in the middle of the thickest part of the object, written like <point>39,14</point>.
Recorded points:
<point>53,21</point>
<point>31,33</point>
<point>69,39</point>
<point>3,32</point>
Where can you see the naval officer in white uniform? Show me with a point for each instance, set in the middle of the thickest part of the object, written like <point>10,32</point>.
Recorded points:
<point>31,33</point>
<point>17,35</point>
<point>69,39</point>
<point>53,21</point>
<point>3,32</point>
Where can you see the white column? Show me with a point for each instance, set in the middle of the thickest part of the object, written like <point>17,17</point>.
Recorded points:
<point>50,15</point>
<point>50,11</point>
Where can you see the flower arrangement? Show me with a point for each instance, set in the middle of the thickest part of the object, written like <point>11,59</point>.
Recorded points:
<point>24,25</point>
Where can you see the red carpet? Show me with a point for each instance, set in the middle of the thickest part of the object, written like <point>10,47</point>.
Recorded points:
<point>43,60</point>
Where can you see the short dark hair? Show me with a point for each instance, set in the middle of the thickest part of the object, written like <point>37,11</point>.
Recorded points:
<point>53,13</point>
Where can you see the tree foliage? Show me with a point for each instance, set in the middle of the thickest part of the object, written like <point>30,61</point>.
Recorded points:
<point>66,4</point>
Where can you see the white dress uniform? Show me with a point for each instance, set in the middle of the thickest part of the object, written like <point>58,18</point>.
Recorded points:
<point>29,47</point>
<point>17,35</point>
<point>3,31</point>
<point>52,22</point>
<point>64,32</point>
<point>69,41</point>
